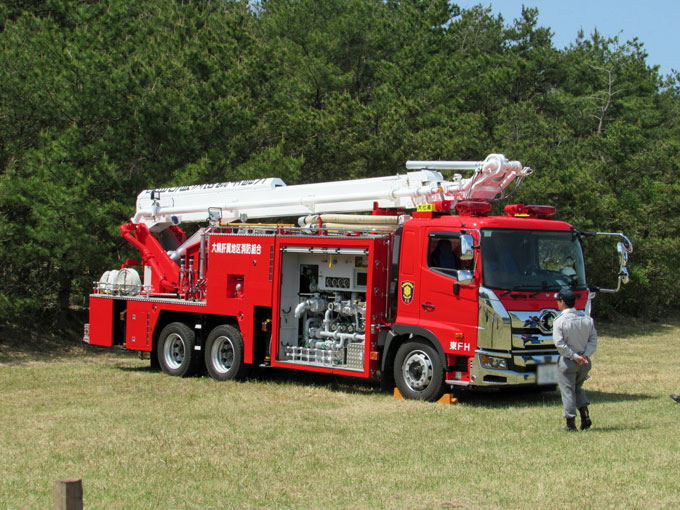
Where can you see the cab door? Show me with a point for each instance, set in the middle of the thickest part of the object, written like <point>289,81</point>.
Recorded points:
<point>448,308</point>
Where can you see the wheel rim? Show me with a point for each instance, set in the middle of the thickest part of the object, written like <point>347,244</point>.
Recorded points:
<point>222,354</point>
<point>174,351</point>
<point>417,370</point>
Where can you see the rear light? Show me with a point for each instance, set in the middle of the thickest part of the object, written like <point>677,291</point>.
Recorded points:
<point>473,208</point>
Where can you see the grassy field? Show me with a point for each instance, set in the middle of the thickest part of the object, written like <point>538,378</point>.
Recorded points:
<point>142,440</point>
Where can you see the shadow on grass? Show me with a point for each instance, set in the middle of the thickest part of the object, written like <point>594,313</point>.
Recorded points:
<point>505,397</point>
<point>20,345</point>
<point>532,397</point>
<point>146,368</point>
<point>606,396</point>
<point>628,327</point>
<point>283,376</point>
<point>331,382</point>
<point>25,350</point>
<point>595,429</point>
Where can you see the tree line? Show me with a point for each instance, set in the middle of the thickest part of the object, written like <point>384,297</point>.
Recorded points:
<point>101,99</point>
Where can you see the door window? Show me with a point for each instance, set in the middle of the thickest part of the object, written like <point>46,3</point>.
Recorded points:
<point>444,255</point>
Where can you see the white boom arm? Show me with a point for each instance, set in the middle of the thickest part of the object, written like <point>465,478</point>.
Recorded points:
<point>271,198</point>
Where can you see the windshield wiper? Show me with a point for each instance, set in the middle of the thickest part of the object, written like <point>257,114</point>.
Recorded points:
<point>546,288</point>
<point>531,288</point>
<point>518,288</point>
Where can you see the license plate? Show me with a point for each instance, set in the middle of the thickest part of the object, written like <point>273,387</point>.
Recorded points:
<point>546,374</point>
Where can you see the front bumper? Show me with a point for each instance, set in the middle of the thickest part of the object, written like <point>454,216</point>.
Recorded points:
<point>522,369</point>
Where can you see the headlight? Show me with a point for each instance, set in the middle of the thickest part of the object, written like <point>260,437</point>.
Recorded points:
<point>493,362</point>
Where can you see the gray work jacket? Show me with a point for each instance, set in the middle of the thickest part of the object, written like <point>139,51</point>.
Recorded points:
<point>574,334</point>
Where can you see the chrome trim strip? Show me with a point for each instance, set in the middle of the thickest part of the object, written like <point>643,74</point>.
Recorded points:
<point>457,383</point>
<point>324,250</point>
<point>528,360</point>
<point>169,301</point>
<point>528,340</point>
<point>494,324</point>
<point>495,354</point>
<point>530,319</point>
<point>320,365</point>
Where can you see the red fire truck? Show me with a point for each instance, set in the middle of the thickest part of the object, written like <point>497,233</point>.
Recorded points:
<point>427,292</point>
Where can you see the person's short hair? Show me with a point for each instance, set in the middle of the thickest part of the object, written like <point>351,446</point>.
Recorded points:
<point>568,296</point>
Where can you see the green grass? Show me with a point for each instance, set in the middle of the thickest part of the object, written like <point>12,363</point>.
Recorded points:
<point>139,439</point>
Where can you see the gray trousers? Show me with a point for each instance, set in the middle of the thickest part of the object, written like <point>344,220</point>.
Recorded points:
<point>570,377</point>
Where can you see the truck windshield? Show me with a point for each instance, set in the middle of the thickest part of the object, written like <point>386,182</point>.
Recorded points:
<point>531,260</point>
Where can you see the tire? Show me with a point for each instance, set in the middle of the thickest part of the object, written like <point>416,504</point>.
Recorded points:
<point>224,354</point>
<point>418,371</point>
<point>176,354</point>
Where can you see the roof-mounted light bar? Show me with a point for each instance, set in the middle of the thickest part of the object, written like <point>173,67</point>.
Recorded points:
<point>543,212</point>
<point>473,208</point>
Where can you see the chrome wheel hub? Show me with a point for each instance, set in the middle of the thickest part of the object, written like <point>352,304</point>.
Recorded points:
<point>173,351</point>
<point>417,370</point>
<point>222,354</point>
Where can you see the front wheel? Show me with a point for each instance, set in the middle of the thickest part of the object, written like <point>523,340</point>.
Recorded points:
<point>418,371</point>
<point>224,354</point>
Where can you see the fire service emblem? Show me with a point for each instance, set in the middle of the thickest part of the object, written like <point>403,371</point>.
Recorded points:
<point>407,292</point>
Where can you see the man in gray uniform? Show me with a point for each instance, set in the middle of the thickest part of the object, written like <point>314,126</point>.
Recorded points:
<point>576,340</point>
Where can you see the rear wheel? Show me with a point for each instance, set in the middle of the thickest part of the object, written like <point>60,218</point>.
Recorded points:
<point>418,371</point>
<point>176,354</point>
<point>224,354</point>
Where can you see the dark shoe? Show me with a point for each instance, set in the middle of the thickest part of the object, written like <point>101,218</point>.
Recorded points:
<point>571,425</point>
<point>676,397</point>
<point>586,422</point>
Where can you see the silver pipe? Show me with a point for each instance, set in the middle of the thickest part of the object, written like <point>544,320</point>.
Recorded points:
<point>335,335</point>
<point>201,258</point>
<point>181,251</point>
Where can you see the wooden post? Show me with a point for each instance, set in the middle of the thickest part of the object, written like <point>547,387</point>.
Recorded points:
<point>68,494</point>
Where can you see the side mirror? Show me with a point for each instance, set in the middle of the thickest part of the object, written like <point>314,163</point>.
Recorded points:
<point>624,248</point>
<point>624,276</point>
<point>623,254</point>
<point>467,243</point>
<point>465,277</point>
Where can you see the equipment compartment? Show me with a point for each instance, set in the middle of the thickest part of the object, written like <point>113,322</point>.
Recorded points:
<point>323,307</point>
